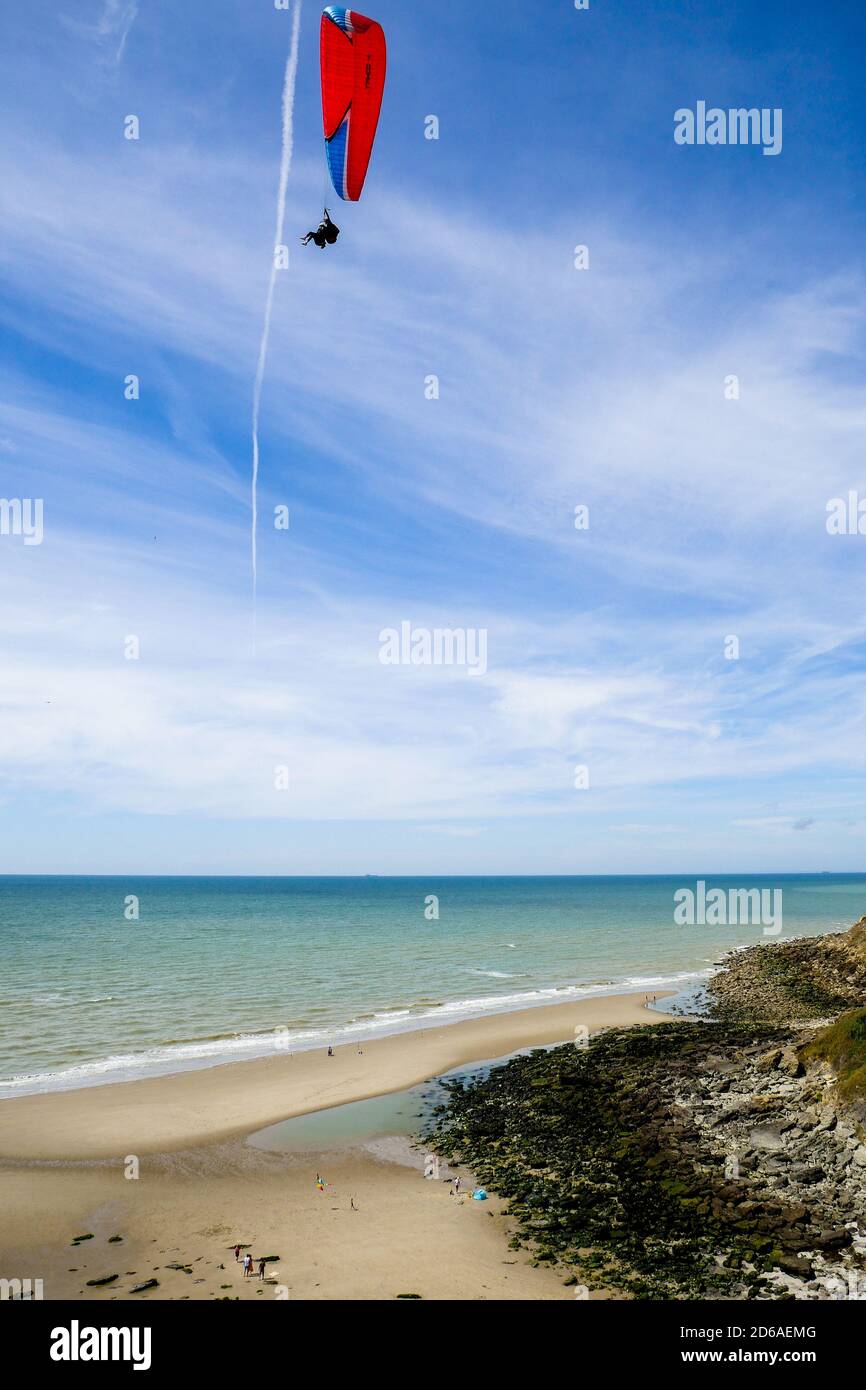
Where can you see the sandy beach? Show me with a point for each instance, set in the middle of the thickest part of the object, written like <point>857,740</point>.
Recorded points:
<point>224,1102</point>
<point>378,1230</point>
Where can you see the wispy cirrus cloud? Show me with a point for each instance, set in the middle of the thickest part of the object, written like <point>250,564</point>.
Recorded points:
<point>557,388</point>
<point>109,28</point>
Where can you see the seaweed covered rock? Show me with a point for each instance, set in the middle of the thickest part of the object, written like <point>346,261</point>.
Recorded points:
<point>672,1161</point>
<point>782,981</point>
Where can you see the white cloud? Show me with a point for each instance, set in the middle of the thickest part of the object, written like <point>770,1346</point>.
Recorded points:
<point>557,388</point>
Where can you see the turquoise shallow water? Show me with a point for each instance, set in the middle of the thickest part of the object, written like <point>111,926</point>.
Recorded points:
<point>400,1113</point>
<point>214,967</point>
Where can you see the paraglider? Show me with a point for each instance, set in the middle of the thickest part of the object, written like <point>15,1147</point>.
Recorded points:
<point>352,60</point>
<point>352,54</point>
<point>325,234</point>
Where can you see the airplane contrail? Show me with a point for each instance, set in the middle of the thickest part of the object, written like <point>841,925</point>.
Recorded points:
<point>285,166</point>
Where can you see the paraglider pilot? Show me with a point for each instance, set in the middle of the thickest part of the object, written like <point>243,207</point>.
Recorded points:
<point>325,234</point>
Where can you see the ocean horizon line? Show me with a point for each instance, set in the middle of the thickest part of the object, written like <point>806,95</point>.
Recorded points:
<point>687,874</point>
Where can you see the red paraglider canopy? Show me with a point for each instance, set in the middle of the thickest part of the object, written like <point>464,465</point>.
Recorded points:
<point>353,80</point>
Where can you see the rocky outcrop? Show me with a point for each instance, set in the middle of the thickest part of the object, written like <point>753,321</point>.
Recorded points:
<point>715,1158</point>
<point>807,979</point>
<point>684,1160</point>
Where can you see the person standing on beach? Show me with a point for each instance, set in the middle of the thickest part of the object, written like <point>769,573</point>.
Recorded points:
<point>237,1253</point>
<point>248,1265</point>
<point>261,1269</point>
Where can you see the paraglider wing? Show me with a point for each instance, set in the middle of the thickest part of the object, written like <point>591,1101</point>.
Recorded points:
<point>353,79</point>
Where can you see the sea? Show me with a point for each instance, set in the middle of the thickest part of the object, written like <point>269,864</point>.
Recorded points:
<point>107,979</point>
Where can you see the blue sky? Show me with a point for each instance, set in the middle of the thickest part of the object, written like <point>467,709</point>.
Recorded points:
<point>558,388</point>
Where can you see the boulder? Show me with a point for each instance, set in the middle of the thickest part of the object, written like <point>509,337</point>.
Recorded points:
<point>797,1265</point>
<point>767,1138</point>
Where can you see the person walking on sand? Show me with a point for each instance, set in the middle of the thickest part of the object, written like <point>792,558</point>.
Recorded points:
<point>261,1269</point>
<point>455,1187</point>
<point>237,1253</point>
<point>248,1265</point>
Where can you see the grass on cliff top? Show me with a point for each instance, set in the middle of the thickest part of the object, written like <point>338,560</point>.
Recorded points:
<point>857,938</point>
<point>843,1045</point>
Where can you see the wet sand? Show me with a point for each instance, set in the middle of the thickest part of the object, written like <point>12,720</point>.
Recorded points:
<point>164,1165</point>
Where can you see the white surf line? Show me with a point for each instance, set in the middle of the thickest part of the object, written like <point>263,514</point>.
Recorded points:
<point>285,166</point>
